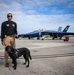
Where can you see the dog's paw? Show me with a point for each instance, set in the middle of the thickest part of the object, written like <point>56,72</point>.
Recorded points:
<point>14,68</point>
<point>24,63</point>
<point>27,66</point>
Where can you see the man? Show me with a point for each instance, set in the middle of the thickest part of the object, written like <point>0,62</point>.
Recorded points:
<point>8,34</point>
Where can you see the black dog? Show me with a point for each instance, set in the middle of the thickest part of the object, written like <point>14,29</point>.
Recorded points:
<point>16,53</point>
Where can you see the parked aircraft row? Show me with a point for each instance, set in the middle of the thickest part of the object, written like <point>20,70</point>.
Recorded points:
<point>54,34</point>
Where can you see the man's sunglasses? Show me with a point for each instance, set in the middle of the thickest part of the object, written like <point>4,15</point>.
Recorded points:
<point>9,16</point>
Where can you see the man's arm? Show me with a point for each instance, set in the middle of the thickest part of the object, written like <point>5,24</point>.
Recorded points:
<point>15,30</point>
<point>2,32</point>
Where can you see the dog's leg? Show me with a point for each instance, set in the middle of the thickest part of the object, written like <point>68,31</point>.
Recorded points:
<point>27,59</point>
<point>24,59</point>
<point>28,63</point>
<point>25,62</point>
<point>15,64</point>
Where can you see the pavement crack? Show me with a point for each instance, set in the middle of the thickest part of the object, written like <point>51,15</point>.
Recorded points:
<point>11,71</point>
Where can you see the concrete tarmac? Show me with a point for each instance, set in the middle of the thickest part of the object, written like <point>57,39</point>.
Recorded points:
<point>49,57</point>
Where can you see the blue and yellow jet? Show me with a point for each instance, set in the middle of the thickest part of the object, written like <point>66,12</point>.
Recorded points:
<point>53,34</point>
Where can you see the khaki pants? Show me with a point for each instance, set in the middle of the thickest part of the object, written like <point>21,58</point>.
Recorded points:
<point>8,40</point>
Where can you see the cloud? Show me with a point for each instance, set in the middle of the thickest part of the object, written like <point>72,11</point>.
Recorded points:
<point>56,11</point>
<point>29,14</point>
<point>14,6</point>
<point>29,23</point>
<point>35,6</point>
<point>71,5</point>
<point>29,4</point>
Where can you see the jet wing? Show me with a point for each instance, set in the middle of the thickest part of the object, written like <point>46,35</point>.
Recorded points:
<point>57,33</point>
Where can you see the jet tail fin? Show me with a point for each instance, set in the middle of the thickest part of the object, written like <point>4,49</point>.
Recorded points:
<point>66,28</point>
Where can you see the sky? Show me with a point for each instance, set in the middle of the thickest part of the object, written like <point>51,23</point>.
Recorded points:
<point>31,15</point>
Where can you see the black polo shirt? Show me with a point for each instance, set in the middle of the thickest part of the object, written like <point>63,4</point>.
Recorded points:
<point>8,28</point>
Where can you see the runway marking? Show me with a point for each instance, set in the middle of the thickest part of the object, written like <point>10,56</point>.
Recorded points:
<point>43,45</point>
<point>47,56</point>
<point>53,55</point>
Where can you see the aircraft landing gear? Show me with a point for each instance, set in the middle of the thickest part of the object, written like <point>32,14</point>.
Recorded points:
<point>66,38</point>
<point>53,38</point>
<point>29,38</point>
<point>38,38</point>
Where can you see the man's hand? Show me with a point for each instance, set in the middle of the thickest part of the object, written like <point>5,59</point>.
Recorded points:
<point>3,43</point>
<point>15,35</point>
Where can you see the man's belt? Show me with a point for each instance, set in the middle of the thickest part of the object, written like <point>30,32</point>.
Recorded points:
<point>9,35</point>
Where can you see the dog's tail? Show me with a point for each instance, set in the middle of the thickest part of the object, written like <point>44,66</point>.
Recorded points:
<point>30,56</point>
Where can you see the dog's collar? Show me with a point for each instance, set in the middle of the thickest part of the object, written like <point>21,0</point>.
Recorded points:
<point>17,50</point>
